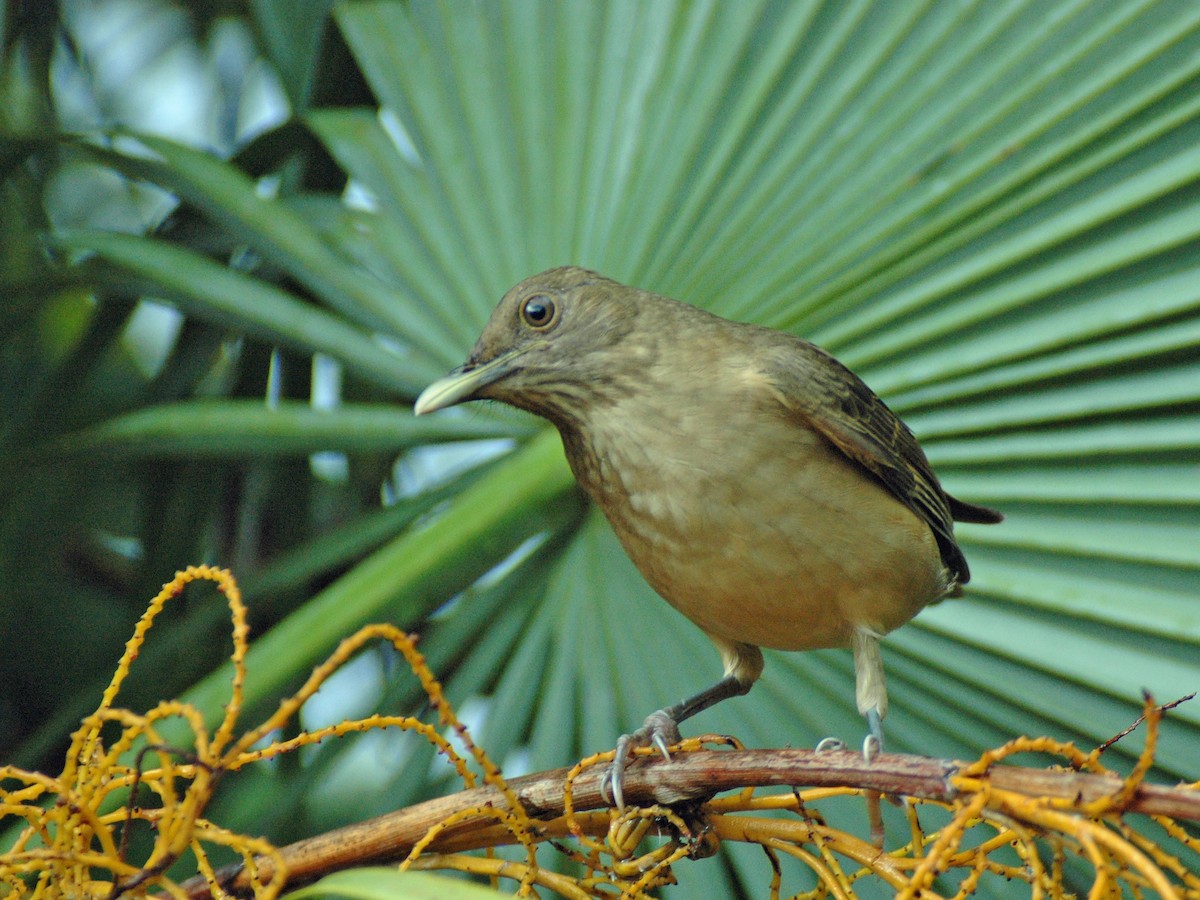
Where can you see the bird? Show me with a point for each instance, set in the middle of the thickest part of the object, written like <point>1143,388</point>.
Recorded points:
<point>758,485</point>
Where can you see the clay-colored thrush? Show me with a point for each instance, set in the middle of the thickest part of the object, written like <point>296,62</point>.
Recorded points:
<point>760,487</point>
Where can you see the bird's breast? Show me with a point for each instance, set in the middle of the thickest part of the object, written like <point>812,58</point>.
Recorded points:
<point>755,528</point>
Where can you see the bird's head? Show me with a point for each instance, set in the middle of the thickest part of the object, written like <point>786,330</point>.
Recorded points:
<point>549,347</point>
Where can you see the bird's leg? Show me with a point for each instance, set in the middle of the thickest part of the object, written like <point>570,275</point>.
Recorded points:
<point>743,665</point>
<point>661,729</point>
<point>870,688</point>
<point>871,691</point>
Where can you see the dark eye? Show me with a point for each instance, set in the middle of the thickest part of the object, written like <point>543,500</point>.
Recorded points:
<point>539,312</point>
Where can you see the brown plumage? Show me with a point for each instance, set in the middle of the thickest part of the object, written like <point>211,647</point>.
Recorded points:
<point>757,483</point>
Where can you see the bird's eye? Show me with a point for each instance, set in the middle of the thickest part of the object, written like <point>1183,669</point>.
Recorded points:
<point>539,312</point>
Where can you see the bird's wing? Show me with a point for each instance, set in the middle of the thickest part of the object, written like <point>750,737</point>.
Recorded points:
<point>834,402</point>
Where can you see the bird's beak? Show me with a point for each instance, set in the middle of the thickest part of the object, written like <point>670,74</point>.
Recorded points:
<point>464,383</point>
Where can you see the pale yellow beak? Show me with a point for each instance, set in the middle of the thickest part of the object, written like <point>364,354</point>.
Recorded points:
<point>463,383</point>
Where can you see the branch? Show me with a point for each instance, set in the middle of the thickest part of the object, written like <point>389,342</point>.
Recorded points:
<point>688,777</point>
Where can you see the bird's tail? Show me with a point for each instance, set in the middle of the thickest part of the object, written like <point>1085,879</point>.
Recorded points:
<point>969,512</point>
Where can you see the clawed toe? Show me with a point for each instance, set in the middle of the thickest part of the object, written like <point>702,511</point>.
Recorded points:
<point>871,748</point>
<point>659,730</point>
<point>873,742</point>
<point>661,743</point>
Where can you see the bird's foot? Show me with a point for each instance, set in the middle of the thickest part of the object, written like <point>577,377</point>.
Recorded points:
<point>872,744</point>
<point>658,730</point>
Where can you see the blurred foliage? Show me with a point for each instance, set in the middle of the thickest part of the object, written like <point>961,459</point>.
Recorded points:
<point>236,239</point>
